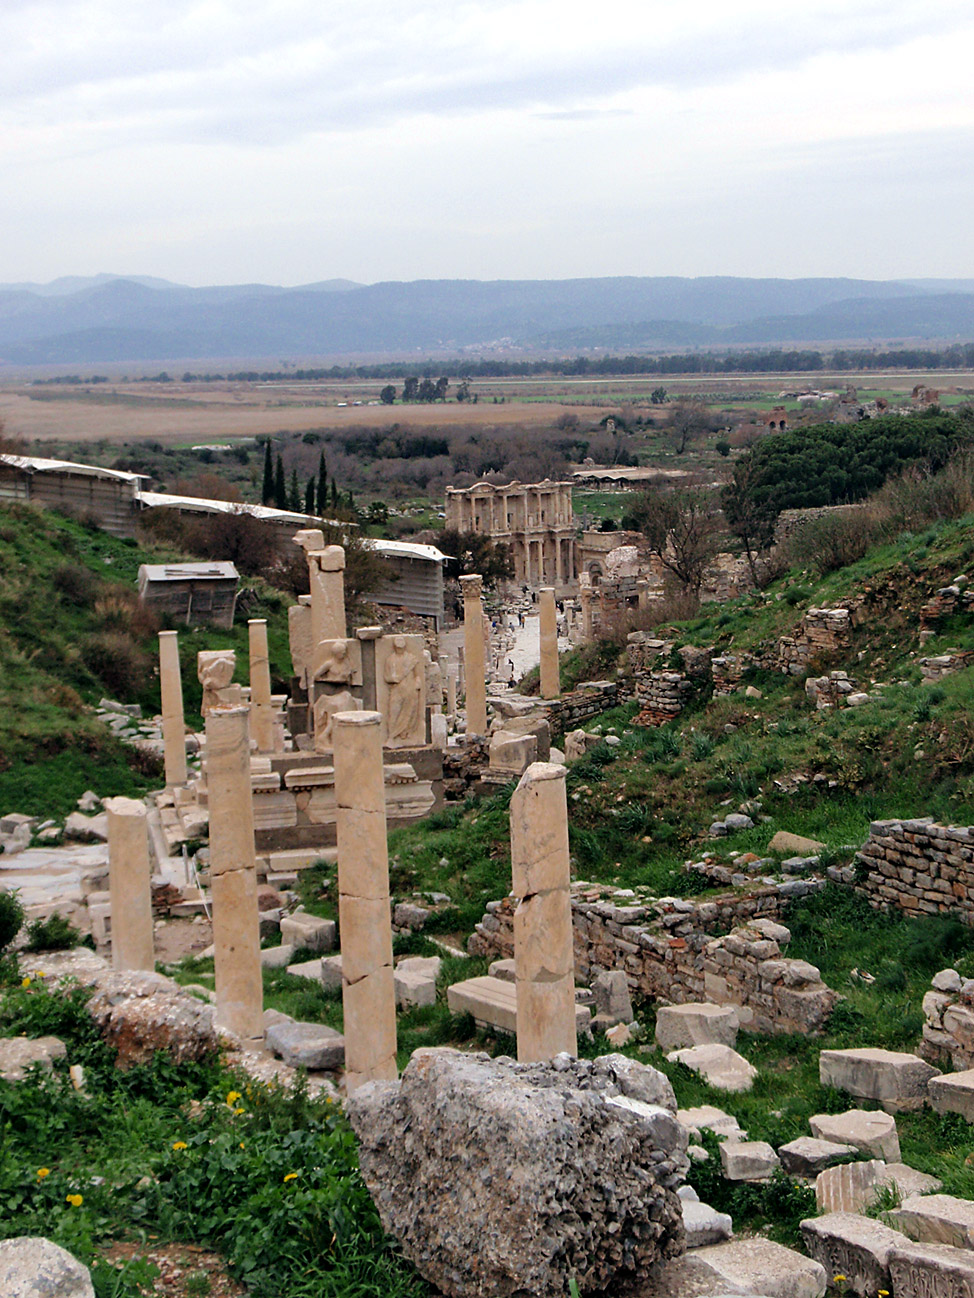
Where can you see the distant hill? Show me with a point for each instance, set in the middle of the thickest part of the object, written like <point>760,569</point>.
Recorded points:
<point>109,318</point>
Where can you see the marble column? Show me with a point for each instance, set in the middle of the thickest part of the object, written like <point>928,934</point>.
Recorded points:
<point>129,875</point>
<point>233,875</point>
<point>548,628</point>
<point>173,723</point>
<point>452,672</point>
<point>368,990</point>
<point>326,569</point>
<point>261,709</point>
<point>585,596</point>
<point>474,657</point>
<point>543,948</point>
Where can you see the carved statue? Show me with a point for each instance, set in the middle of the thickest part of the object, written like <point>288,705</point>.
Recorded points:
<point>214,669</point>
<point>338,661</point>
<point>326,705</point>
<point>403,674</point>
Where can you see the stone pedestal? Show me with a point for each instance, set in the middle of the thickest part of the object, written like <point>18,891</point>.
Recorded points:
<point>233,875</point>
<point>543,952</point>
<point>129,875</point>
<point>261,709</point>
<point>368,988</point>
<point>548,628</point>
<point>475,669</point>
<point>173,723</point>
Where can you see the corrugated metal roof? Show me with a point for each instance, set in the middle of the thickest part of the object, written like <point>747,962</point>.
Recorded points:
<point>32,464</point>
<point>184,571</point>
<point>163,500</point>
<point>407,550</point>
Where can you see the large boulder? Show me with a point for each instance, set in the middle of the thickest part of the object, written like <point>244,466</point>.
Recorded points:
<point>33,1267</point>
<point>139,1013</point>
<point>502,1179</point>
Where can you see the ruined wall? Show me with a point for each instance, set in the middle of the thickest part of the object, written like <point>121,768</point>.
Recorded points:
<point>918,867</point>
<point>792,521</point>
<point>821,633</point>
<point>669,951</point>
<point>588,701</point>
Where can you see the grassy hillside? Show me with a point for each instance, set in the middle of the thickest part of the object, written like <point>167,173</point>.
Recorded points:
<point>71,632</point>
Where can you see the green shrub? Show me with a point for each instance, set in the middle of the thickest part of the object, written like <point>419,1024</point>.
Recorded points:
<point>118,661</point>
<point>11,918</point>
<point>52,934</point>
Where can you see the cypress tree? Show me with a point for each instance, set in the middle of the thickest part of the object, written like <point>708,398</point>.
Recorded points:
<point>294,495</point>
<point>334,492</point>
<point>280,487</point>
<point>322,484</point>
<point>309,496</point>
<point>267,489</point>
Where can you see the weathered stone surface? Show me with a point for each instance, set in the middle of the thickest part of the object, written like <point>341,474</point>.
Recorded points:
<point>794,844</point>
<point>747,1160</point>
<point>307,1045</point>
<point>931,1271</point>
<point>613,1003</point>
<point>139,1013</point>
<point>17,1054</point>
<point>854,1187</point>
<point>415,980</point>
<point>756,1266</point>
<point>868,1130</point>
<point>500,1178</point>
<point>31,1267</point>
<point>331,972</point>
<point>936,1219</point>
<point>276,957</point>
<point>953,1093</point>
<point>706,1117</point>
<point>896,1079</point>
<point>854,1246</point>
<point>87,829</point>
<point>695,1024</point>
<point>304,930</point>
<point>719,1066</point>
<point>807,1156</point>
<point>705,1225</point>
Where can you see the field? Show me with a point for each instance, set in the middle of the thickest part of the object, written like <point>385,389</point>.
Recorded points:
<point>177,413</point>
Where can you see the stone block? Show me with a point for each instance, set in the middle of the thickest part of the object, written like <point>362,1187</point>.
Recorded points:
<point>872,1132</point>
<point>306,1045</point>
<point>306,969</point>
<point>896,1079</point>
<point>936,1219</point>
<point>719,1066</point>
<point>696,1024</point>
<point>854,1187</point>
<point>276,957</point>
<point>854,1246</point>
<point>931,1271</point>
<point>613,1003</point>
<point>953,1093</point>
<point>705,1225</point>
<point>415,981</point>
<point>755,1266</point>
<point>747,1160</point>
<point>33,1267</point>
<point>304,930</point>
<point>794,844</point>
<point>494,1002</point>
<point>706,1117</point>
<point>17,1054</point>
<point>331,972</point>
<point>807,1156</point>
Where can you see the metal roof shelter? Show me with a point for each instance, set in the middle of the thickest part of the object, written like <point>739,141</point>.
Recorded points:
<point>194,593</point>
<point>108,495</point>
<point>418,586</point>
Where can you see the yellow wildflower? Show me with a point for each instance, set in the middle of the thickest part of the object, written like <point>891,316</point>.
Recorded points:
<point>25,983</point>
<point>241,1144</point>
<point>42,1172</point>
<point>237,1112</point>
<point>291,1176</point>
<point>75,1200</point>
<point>232,1098</point>
<point>180,1144</point>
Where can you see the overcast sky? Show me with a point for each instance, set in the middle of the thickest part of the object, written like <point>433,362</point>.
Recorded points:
<point>225,141</point>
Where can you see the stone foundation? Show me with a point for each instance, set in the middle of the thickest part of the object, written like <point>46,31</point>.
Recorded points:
<point>918,867</point>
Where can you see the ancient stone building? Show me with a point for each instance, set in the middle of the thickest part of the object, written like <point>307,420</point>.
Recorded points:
<point>534,519</point>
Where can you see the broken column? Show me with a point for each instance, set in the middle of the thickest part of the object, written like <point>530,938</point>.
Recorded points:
<point>327,571</point>
<point>129,882</point>
<point>475,669</point>
<point>543,954</point>
<point>452,673</point>
<point>261,710</point>
<point>585,597</point>
<point>548,627</point>
<point>368,989</point>
<point>233,875</point>
<point>173,723</point>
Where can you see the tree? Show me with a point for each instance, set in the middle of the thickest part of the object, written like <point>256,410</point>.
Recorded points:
<point>267,489</point>
<point>442,384</point>
<point>658,396</point>
<point>309,496</point>
<point>388,395</point>
<point>294,494</point>
<point>322,489</point>
<point>427,391</point>
<point>688,421</point>
<point>280,487</point>
<point>463,390</point>
<point>470,552</point>
<point>409,389</point>
<point>750,516</point>
<point>681,529</point>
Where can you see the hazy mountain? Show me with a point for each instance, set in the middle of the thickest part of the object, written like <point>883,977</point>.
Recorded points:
<point>114,319</point>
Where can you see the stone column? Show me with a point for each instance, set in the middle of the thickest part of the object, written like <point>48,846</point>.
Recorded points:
<point>129,875</point>
<point>368,990</point>
<point>585,596</point>
<point>452,672</point>
<point>543,952</point>
<point>173,724</point>
<point>474,658</point>
<point>368,635</point>
<point>548,628</point>
<point>233,875</point>
<point>326,569</point>
<point>261,709</point>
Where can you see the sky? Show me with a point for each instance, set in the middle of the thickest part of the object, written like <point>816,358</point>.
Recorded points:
<point>230,141</point>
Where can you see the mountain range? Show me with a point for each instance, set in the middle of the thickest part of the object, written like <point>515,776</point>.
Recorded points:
<point>110,318</point>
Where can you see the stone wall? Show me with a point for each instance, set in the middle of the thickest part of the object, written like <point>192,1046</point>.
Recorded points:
<point>948,1028</point>
<point>821,633</point>
<point>792,521</point>
<point>918,867</point>
<point>669,951</point>
<point>588,701</point>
